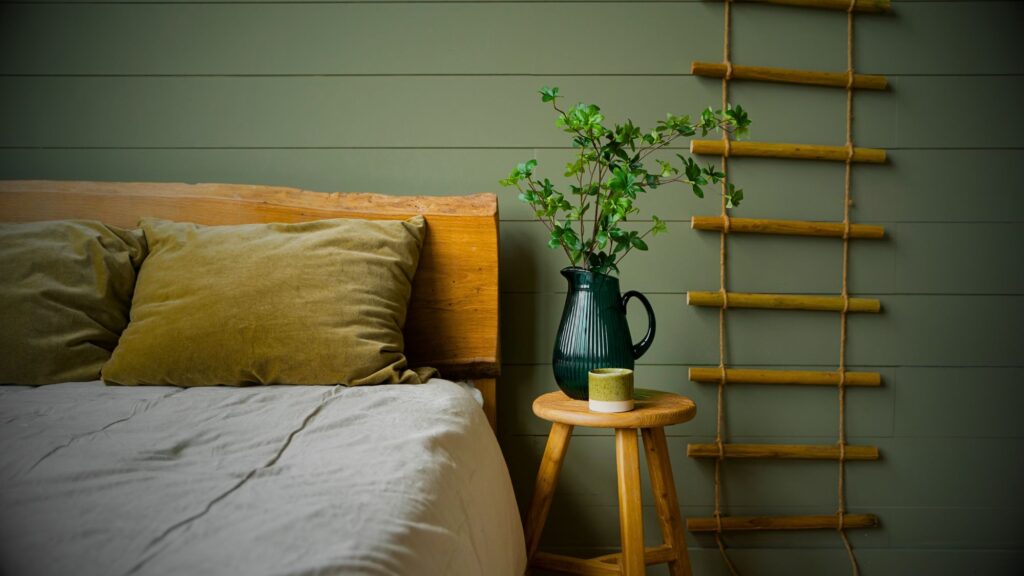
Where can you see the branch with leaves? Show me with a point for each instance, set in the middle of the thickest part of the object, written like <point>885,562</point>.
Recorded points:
<point>608,174</point>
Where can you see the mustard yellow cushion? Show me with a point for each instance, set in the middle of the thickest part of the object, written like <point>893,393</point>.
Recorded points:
<point>320,302</point>
<point>65,289</point>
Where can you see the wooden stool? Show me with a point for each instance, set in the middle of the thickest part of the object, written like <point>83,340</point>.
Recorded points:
<point>654,410</point>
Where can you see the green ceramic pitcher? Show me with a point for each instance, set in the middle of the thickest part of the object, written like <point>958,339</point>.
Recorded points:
<point>593,332</point>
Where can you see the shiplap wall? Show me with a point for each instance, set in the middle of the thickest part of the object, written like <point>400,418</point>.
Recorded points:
<point>440,98</point>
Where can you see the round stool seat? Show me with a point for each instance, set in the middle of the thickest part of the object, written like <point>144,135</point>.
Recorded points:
<point>653,409</point>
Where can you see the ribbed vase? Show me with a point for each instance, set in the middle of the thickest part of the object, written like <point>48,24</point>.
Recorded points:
<point>593,332</point>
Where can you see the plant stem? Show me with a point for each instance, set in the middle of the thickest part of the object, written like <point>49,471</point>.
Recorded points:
<point>550,222</point>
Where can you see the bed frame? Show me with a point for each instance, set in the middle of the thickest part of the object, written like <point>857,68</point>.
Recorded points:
<point>453,315</point>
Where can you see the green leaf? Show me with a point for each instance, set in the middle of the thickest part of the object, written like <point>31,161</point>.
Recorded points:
<point>621,180</point>
<point>570,239</point>
<point>698,191</point>
<point>667,170</point>
<point>659,226</point>
<point>524,169</point>
<point>693,172</point>
<point>548,94</point>
<point>734,196</point>
<point>528,196</point>
<point>574,168</point>
<point>638,243</point>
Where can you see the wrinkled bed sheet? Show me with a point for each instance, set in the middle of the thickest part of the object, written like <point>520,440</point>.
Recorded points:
<point>274,480</point>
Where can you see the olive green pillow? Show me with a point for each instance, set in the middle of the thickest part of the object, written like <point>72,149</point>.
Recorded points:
<point>320,302</point>
<point>65,289</point>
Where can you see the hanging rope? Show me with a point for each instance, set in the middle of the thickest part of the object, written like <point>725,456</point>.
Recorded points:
<point>720,418</point>
<point>841,510</point>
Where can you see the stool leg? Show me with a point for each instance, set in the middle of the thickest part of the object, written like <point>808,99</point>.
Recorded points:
<point>627,459</point>
<point>665,500</point>
<point>544,489</point>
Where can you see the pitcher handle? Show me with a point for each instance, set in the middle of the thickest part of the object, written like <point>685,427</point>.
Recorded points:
<point>641,347</point>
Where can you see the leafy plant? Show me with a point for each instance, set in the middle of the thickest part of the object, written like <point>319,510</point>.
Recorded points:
<point>607,176</point>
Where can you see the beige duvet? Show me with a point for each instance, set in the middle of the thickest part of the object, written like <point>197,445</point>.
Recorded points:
<point>274,480</point>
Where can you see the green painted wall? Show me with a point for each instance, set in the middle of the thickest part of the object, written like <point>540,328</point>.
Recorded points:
<point>439,98</point>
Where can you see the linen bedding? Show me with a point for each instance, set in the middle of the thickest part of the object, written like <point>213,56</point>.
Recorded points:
<point>270,480</point>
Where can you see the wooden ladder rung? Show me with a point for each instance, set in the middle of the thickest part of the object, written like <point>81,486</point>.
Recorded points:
<point>844,5</point>
<point>796,151</point>
<point>789,76</point>
<point>737,523</point>
<point>784,451</point>
<point>799,377</point>
<point>782,301</point>
<point>786,227</point>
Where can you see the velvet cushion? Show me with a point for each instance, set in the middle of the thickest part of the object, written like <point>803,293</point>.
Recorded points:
<point>320,302</point>
<point>65,290</point>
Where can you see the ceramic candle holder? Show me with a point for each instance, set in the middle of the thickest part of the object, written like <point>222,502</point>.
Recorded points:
<point>611,390</point>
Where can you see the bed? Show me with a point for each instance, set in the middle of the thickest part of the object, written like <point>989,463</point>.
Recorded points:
<point>384,479</point>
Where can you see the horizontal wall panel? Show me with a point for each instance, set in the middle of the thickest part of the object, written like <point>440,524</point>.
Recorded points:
<point>901,528</point>
<point>921,185</point>
<point>433,38</point>
<point>921,101</point>
<point>912,259</point>
<point>910,331</point>
<point>317,112</point>
<point>914,187</point>
<point>597,526</point>
<point>388,171</point>
<point>588,476</point>
<point>460,111</point>
<point>958,402</point>
<point>903,117</point>
<point>352,38</point>
<point>891,44</point>
<point>973,472</point>
<point>752,410</point>
<point>954,527</point>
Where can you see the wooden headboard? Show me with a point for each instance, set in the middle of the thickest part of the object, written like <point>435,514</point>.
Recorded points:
<point>453,316</point>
